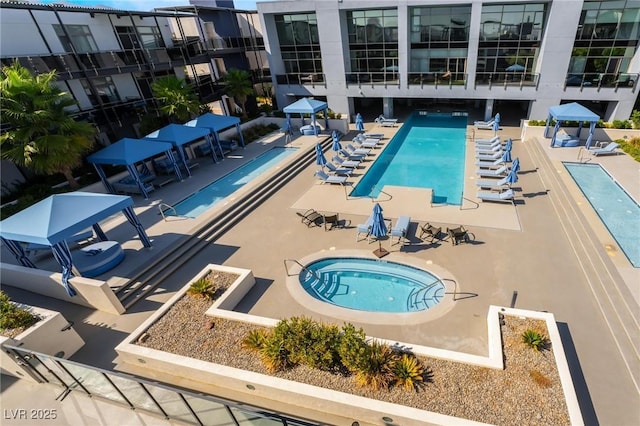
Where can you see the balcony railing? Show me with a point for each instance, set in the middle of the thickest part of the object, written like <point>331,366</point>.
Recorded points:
<point>437,79</point>
<point>507,79</point>
<point>311,79</point>
<point>603,80</point>
<point>384,78</point>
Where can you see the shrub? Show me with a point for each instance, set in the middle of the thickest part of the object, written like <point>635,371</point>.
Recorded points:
<point>621,124</point>
<point>352,347</point>
<point>535,340</point>
<point>631,147</point>
<point>408,372</point>
<point>202,288</point>
<point>273,355</point>
<point>254,341</point>
<point>11,316</point>
<point>540,379</point>
<point>376,368</point>
<point>635,119</point>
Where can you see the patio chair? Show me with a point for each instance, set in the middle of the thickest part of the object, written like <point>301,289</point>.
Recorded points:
<point>128,185</point>
<point>331,221</point>
<point>493,184</point>
<point>345,163</point>
<point>487,141</point>
<point>358,151</point>
<point>364,143</point>
<point>495,164</point>
<point>325,178</point>
<point>386,122</point>
<point>342,171</point>
<point>430,233</point>
<point>353,157</point>
<point>487,157</point>
<point>607,150</point>
<point>459,235</point>
<point>364,228</point>
<point>487,125</point>
<point>500,172</point>
<point>399,230</point>
<point>489,149</point>
<point>373,135</point>
<point>506,196</point>
<point>310,217</point>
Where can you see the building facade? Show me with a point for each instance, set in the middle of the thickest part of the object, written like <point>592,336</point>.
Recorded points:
<point>391,55</point>
<point>107,59</point>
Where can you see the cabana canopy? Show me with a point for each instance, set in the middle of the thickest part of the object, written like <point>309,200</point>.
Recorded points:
<point>53,220</point>
<point>216,123</point>
<point>308,106</point>
<point>179,135</point>
<point>571,112</point>
<point>127,152</point>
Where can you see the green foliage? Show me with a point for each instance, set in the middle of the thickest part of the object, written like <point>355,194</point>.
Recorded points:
<point>254,340</point>
<point>256,132</point>
<point>11,316</point>
<point>310,343</point>
<point>376,366</point>
<point>535,340</point>
<point>42,135</point>
<point>239,86</point>
<point>202,287</point>
<point>621,124</point>
<point>408,372</point>
<point>273,354</point>
<point>152,122</point>
<point>635,119</point>
<point>631,147</point>
<point>175,98</point>
<point>352,347</point>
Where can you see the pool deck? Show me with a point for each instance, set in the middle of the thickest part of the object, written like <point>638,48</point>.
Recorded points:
<point>547,252</point>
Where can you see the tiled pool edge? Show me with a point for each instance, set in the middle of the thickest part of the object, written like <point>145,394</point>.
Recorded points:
<point>168,367</point>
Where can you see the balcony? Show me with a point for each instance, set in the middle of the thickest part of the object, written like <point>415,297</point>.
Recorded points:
<point>437,79</point>
<point>507,79</point>
<point>304,79</point>
<point>603,80</point>
<point>379,78</point>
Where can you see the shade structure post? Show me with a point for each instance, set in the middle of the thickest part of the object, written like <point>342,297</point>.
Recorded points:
<point>183,158</point>
<point>16,249</point>
<point>176,168</point>
<point>546,126</point>
<point>62,254</point>
<point>326,118</point>
<point>209,140</point>
<point>133,171</point>
<point>240,134</point>
<point>133,219</point>
<point>99,232</point>
<point>313,124</point>
<point>217,139</point>
<point>592,129</point>
<point>555,132</point>
<point>302,119</point>
<point>579,129</point>
<point>103,178</point>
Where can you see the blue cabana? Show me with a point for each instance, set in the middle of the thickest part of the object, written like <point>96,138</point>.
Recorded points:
<point>571,112</point>
<point>308,106</point>
<point>59,217</point>
<point>127,152</point>
<point>179,135</point>
<point>216,123</point>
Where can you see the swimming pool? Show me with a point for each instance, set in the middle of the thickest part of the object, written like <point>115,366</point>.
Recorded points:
<point>371,285</point>
<point>207,197</point>
<point>427,152</point>
<point>618,211</point>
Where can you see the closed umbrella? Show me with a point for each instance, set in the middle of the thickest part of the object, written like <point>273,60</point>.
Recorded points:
<point>516,165</point>
<point>320,158</point>
<point>336,142</point>
<point>506,156</point>
<point>496,126</point>
<point>512,177</point>
<point>497,117</point>
<point>508,145</point>
<point>359,123</point>
<point>378,230</point>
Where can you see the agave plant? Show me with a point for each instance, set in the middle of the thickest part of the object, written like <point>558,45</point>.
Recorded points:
<point>375,370</point>
<point>202,288</point>
<point>254,340</point>
<point>408,371</point>
<point>535,339</point>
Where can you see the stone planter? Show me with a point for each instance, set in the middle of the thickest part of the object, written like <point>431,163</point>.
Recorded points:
<point>52,335</point>
<point>265,390</point>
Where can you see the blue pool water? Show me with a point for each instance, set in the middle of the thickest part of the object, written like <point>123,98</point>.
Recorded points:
<point>618,211</point>
<point>372,285</point>
<point>204,199</point>
<point>427,152</point>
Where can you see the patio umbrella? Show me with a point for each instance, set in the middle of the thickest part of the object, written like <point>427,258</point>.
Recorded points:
<point>512,177</point>
<point>359,123</point>
<point>508,145</point>
<point>496,126</point>
<point>516,165</point>
<point>320,158</point>
<point>497,117</point>
<point>506,156</point>
<point>336,142</point>
<point>378,230</point>
<point>515,68</point>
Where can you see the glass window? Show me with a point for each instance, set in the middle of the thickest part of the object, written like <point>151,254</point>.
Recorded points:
<point>299,43</point>
<point>373,40</point>
<point>76,36</point>
<point>104,88</point>
<point>151,37</point>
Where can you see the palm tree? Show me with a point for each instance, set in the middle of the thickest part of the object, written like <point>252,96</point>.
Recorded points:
<point>239,86</point>
<point>175,98</point>
<point>42,135</point>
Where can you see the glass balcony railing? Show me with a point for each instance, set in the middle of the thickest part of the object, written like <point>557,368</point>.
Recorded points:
<point>304,78</point>
<point>507,79</point>
<point>374,78</point>
<point>437,79</point>
<point>602,80</point>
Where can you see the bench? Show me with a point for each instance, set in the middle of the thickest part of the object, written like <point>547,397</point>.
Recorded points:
<point>400,229</point>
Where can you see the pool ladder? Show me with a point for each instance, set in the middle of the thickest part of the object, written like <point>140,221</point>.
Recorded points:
<point>162,207</point>
<point>304,268</point>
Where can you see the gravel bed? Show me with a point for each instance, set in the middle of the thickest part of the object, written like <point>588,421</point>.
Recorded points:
<point>503,397</point>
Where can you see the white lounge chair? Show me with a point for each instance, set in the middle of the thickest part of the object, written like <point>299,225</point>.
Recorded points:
<point>487,146</point>
<point>488,149</point>
<point>495,164</point>
<point>386,122</point>
<point>487,141</point>
<point>325,178</point>
<point>338,171</point>
<point>399,230</point>
<point>350,156</point>
<point>506,196</point>
<point>484,124</point>
<point>373,135</point>
<point>494,156</point>
<point>345,163</point>
<point>502,171</point>
<point>493,184</point>
<point>607,150</point>
<point>358,151</point>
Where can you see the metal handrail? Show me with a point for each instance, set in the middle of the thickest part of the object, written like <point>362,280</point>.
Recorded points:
<point>169,207</point>
<point>304,268</point>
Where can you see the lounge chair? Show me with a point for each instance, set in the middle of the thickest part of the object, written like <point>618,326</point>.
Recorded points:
<point>366,143</point>
<point>345,163</point>
<point>459,235</point>
<point>490,164</point>
<point>373,135</point>
<point>350,156</point>
<point>487,146</point>
<point>386,122</point>
<point>489,149</point>
<point>607,150</point>
<point>359,151</point>
<point>364,228</point>
<point>484,124</point>
<point>430,232</point>
<point>493,156</point>
<point>501,172</point>
<point>128,185</point>
<point>325,178</point>
<point>487,141</point>
<point>362,137</point>
<point>310,217</point>
<point>493,184</point>
<point>343,171</point>
<point>506,196</point>
<point>399,230</point>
